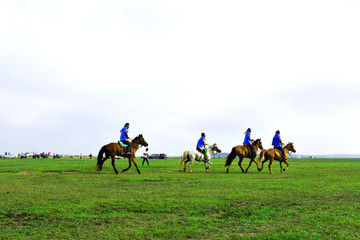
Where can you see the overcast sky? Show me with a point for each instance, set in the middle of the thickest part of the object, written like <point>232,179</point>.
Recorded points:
<point>74,72</point>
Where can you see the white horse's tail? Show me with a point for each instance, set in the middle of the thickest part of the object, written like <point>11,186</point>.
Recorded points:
<point>185,155</point>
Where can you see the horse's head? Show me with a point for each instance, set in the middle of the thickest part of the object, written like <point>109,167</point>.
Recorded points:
<point>291,147</point>
<point>140,139</point>
<point>215,148</point>
<point>258,143</point>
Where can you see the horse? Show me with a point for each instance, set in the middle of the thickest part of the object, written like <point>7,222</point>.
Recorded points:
<point>243,152</point>
<point>272,154</point>
<point>114,149</point>
<point>190,156</point>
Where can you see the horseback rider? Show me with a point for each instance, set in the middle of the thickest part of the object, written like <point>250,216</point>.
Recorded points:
<point>247,142</point>
<point>124,137</point>
<point>201,146</point>
<point>277,143</point>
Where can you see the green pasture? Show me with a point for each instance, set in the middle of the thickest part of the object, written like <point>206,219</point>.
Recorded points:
<point>68,199</point>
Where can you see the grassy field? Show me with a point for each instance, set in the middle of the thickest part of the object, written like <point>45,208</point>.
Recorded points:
<point>68,199</point>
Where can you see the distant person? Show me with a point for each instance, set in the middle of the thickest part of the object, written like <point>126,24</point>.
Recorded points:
<point>145,157</point>
<point>80,155</point>
<point>201,146</point>
<point>277,143</point>
<point>248,142</point>
<point>124,137</point>
<point>90,156</point>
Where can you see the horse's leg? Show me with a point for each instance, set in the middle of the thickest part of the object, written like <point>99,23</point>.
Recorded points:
<point>281,167</point>
<point>270,162</point>
<point>240,161</point>
<point>206,167</point>
<point>190,166</point>
<point>133,160</point>
<point>251,161</point>
<point>124,170</point>
<point>113,164</point>
<point>185,165</point>
<point>264,161</point>
<point>287,165</point>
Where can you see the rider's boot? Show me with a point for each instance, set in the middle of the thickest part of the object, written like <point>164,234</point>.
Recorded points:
<point>128,150</point>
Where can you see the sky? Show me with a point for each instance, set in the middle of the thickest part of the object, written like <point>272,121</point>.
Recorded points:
<point>72,73</point>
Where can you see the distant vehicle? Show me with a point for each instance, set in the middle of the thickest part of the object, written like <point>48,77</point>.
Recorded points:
<point>11,156</point>
<point>154,156</point>
<point>158,156</point>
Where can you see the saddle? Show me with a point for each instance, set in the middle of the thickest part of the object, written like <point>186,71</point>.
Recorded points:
<point>252,152</point>
<point>123,147</point>
<point>280,153</point>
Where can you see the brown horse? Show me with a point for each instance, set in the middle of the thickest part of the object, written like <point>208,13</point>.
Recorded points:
<point>114,149</point>
<point>272,154</point>
<point>243,152</point>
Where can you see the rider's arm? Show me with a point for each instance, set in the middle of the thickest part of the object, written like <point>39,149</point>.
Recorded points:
<point>127,136</point>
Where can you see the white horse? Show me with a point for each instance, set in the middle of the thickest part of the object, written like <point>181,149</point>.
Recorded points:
<point>190,156</point>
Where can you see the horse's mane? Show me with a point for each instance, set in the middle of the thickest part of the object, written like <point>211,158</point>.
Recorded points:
<point>257,140</point>
<point>136,138</point>
<point>288,144</point>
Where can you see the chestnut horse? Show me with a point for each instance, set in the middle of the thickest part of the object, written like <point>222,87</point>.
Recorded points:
<point>272,154</point>
<point>114,149</point>
<point>243,152</point>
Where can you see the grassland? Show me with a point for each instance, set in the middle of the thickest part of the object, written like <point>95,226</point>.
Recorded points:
<point>67,199</point>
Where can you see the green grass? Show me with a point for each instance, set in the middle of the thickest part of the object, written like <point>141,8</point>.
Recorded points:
<point>68,199</point>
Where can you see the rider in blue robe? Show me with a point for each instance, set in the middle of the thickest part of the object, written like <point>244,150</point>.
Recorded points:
<point>277,143</point>
<point>201,146</point>
<point>247,142</point>
<point>124,137</point>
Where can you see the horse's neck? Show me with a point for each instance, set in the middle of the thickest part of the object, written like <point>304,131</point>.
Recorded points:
<point>286,150</point>
<point>135,145</point>
<point>256,147</point>
<point>210,151</point>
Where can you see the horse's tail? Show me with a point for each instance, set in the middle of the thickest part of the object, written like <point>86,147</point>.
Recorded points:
<point>230,157</point>
<point>100,155</point>
<point>185,156</point>
<point>262,153</point>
